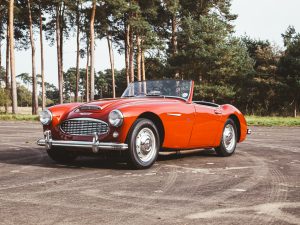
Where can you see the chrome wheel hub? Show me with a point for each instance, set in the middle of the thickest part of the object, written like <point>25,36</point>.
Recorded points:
<point>229,138</point>
<point>145,144</point>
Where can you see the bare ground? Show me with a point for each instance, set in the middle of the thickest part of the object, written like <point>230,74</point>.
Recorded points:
<point>257,185</point>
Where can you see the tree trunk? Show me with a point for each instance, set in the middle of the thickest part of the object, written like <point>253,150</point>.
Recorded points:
<point>127,54</point>
<point>174,41</point>
<point>143,66</point>
<point>93,50</point>
<point>139,57</point>
<point>61,27</point>
<point>295,109</point>
<point>77,53</point>
<point>0,52</point>
<point>143,69</point>
<point>87,89</point>
<point>34,89</point>
<point>42,59</point>
<point>7,68</point>
<point>1,48</point>
<point>112,64</point>
<point>12,58</point>
<point>59,62</point>
<point>131,55</point>
<point>174,35</point>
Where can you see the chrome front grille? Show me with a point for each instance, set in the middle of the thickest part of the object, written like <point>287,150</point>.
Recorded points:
<point>84,126</point>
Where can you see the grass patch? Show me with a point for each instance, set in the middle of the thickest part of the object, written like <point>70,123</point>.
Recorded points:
<point>19,117</point>
<point>273,121</point>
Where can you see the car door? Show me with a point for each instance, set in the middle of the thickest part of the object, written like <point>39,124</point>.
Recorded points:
<point>206,125</point>
<point>178,120</point>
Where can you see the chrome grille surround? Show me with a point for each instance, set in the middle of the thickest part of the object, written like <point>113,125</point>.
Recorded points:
<point>84,127</point>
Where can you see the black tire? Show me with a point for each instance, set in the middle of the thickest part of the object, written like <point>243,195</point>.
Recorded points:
<point>143,131</point>
<point>225,149</point>
<point>60,155</point>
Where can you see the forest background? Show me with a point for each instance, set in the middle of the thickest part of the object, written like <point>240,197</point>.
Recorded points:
<point>159,39</point>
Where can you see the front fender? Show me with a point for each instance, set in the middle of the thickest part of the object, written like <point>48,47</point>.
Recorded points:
<point>177,129</point>
<point>59,112</point>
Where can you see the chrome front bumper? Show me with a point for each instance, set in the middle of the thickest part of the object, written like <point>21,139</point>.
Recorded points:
<point>95,145</point>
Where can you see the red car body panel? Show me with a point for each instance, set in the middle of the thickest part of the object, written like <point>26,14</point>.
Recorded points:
<point>186,125</point>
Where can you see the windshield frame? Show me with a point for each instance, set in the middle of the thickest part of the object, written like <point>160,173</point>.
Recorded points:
<point>188,99</point>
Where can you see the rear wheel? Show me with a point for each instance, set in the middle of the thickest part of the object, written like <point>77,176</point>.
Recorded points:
<point>229,139</point>
<point>144,144</point>
<point>60,155</point>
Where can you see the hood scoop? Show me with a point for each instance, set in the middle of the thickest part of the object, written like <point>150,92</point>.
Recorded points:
<point>89,108</point>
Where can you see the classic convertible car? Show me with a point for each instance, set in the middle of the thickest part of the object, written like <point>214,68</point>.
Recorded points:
<point>151,116</point>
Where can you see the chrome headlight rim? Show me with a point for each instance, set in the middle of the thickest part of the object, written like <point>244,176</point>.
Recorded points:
<point>116,122</point>
<point>42,119</point>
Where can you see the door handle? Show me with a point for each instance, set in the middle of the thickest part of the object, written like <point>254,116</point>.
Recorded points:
<point>218,111</point>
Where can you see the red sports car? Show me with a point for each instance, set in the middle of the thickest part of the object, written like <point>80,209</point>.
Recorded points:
<point>150,117</point>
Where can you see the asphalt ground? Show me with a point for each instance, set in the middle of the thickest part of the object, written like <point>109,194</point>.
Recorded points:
<point>259,184</point>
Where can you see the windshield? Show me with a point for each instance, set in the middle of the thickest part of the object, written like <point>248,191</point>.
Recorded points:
<point>165,88</point>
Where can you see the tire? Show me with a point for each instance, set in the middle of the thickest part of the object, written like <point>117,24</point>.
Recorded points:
<point>229,139</point>
<point>143,143</point>
<point>61,156</point>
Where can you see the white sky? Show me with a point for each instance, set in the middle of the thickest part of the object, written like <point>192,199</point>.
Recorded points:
<point>261,19</point>
<point>266,19</point>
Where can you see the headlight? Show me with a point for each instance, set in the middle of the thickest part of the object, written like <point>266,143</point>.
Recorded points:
<point>45,117</point>
<point>115,118</point>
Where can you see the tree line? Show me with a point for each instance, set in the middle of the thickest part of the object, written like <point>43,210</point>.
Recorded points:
<point>181,39</point>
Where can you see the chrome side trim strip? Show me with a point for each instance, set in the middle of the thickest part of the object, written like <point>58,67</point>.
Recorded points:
<point>95,145</point>
<point>174,114</point>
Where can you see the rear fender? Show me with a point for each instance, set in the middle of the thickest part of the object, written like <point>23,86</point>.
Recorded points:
<point>232,112</point>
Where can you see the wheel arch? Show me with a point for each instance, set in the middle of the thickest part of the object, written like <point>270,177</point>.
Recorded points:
<point>237,123</point>
<point>157,122</point>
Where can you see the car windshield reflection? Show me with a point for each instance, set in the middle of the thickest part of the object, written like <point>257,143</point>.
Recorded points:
<point>159,88</point>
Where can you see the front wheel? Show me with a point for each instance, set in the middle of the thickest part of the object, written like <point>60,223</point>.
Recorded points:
<point>60,155</point>
<point>144,144</point>
<point>229,139</point>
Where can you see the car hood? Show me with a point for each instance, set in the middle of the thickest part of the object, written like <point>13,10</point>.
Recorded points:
<point>101,108</point>
<point>109,104</point>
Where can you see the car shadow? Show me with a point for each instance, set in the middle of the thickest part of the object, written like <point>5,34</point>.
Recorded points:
<point>179,155</point>
<point>102,161</point>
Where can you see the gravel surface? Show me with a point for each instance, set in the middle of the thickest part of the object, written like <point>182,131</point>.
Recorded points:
<point>260,184</point>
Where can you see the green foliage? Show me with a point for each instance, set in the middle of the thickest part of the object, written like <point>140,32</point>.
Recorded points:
<point>103,82</point>
<point>4,97</point>
<point>24,96</point>
<point>51,93</point>
<point>289,67</point>
<point>273,121</point>
<point>215,93</point>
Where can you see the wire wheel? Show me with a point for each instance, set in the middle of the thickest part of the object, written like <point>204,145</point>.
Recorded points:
<point>145,144</point>
<point>229,138</point>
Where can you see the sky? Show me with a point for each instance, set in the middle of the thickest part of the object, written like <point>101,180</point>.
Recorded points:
<point>266,19</point>
<point>260,19</point>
